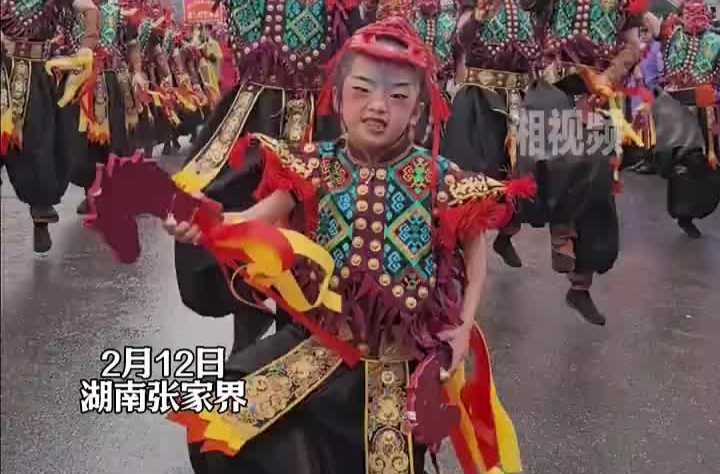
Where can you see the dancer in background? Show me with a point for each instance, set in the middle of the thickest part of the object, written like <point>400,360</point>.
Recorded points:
<point>687,119</point>
<point>37,136</point>
<point>279,77</point>
<point>102,108</point>
<point>590,48</point>
<point>500,53</point>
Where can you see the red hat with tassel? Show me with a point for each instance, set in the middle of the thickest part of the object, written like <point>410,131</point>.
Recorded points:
<point>367,41</point>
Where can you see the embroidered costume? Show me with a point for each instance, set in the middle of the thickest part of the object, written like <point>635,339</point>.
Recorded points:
<point>686,115</point>
<point>36,136</point>
<point>102,116</point>
<point>393,230</point>
<point>280,48</point>
<point>501,50</point>
<point>577,159</point>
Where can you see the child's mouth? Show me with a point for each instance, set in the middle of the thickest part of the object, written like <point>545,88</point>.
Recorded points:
<point>375,125</point>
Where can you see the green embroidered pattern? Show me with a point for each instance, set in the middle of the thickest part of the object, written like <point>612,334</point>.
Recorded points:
<point>563,17</point>
<point>109,21</point>
<point>336,208</point>
<point>707,56</point>
<point>305,24</point>
<point>495,29</point>
<point>245,19</point>
<point>25,7</point>
<point>676,51</point>
<point>604,19</point>
<point>407,246</point>
<point>602,28</point>
<point>445,23</point>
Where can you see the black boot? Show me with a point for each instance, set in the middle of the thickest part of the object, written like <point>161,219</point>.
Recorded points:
<point>581,301</point>
<point>42,242</point>
<point>689,228</point>
<point>44,214</point>
<point>562,263</point>
<point>504,247</point>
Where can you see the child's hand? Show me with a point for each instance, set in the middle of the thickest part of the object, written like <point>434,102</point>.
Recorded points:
<point>459,340</point>
<point>184,232</point>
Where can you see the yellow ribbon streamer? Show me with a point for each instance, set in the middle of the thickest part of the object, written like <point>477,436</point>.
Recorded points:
<point>82,61</point>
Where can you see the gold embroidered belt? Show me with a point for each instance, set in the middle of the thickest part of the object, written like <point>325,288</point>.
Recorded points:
<point>492,78</point>
<point>28,50</point>
<point>275,389</point>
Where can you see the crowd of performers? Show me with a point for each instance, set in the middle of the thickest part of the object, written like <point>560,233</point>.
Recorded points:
<point>82,79</point>
<point>390,133</point>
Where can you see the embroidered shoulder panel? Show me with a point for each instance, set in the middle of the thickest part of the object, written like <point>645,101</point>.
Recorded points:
<point>436,26</point>
<point>590,27</point>
<point>299,32</point>
<point>31,19</point>
<point>691,59</point>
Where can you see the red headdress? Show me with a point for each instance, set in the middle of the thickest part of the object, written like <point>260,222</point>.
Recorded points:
<point>416,53</point>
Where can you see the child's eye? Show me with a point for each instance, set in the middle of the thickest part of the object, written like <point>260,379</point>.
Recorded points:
<point>399,96</point>
<point>364,90</point>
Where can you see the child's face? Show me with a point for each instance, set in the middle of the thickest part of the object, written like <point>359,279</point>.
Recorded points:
<point>379,100</point>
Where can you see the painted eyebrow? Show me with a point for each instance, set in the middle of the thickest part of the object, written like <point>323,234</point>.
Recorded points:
<point>370,81</point>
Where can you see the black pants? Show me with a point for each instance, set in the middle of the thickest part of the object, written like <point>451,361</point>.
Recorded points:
<point>39,169</point>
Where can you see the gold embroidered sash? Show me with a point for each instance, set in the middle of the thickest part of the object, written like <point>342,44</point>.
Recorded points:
<point>208,163</point>
<point>20,74</point>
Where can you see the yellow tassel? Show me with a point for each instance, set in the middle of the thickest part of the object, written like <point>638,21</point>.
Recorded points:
<point>7,128</point>
<point>99,133</point>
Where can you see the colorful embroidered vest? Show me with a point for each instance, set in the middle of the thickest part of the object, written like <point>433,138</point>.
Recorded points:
<point>691,59</point>
<point>283,43</point>
<point>506,41</point>
<point>434,22</point>
<point>109,31</point>
<point>586,32</point>
<point>35,20</point>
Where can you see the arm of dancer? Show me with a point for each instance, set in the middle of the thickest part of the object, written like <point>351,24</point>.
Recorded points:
<point>275,208</point>
<point>475,254</point>
<point>91,18</point>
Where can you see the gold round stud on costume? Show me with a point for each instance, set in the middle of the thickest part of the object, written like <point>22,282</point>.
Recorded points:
<point>378,208</point>
<point>423,292</point>
<point>377,227</point>
<point>345,272</point>
<point>362,206</point>
<point>362,189</point>
<point>356,260</point>
<point>361,224</point>
<point>373,264</point>
<point>385,279</point>
<point>358,242</point>
<point>411,302</point>
<point>375,246</point>
<point>398,290</point>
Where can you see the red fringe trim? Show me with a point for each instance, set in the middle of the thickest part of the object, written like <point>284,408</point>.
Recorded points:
<point>278,177</point>
<point>192,421</point>
<point>472,218</point>
<point>523,188</point>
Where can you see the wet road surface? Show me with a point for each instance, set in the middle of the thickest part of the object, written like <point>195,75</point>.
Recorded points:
<point>640,396</point>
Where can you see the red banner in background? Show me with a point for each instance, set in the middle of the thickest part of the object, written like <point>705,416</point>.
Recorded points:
<point>200,11</point>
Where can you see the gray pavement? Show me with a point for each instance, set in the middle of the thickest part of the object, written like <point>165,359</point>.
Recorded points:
<point>640,396</point>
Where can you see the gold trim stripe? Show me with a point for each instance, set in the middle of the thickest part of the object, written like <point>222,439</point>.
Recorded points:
<point>388,440</point>
<point>273,391</point>
<point>208,163</point>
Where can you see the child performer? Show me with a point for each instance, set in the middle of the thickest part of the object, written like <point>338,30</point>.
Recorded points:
<point>406,229</point>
